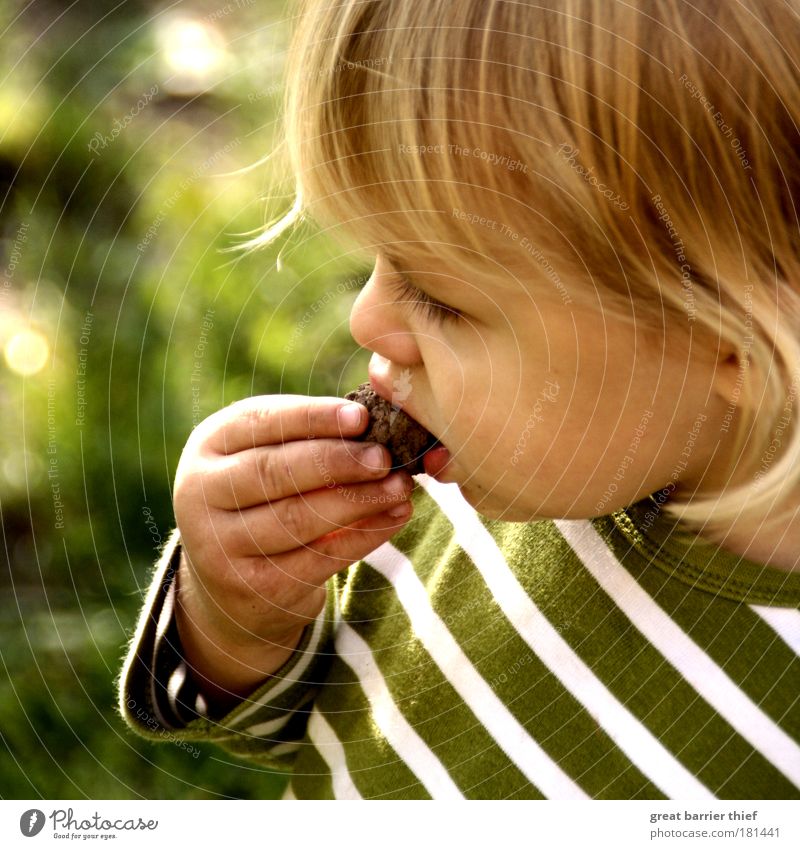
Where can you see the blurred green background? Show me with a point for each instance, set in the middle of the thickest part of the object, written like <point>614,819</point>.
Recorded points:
<point>123,323</point>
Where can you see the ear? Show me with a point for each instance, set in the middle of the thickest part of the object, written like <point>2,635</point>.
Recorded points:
<point>732,377</point>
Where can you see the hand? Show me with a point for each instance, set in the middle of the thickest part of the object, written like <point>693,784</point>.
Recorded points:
<point>272,498</point>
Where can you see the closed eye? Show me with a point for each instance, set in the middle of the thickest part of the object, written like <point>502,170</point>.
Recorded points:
<point>404,290</point>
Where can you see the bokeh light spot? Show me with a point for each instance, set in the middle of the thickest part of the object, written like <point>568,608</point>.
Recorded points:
<point>27,352</point>
<point>194,52</point>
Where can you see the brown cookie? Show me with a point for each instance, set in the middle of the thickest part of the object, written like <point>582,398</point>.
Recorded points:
<point>406,439</point>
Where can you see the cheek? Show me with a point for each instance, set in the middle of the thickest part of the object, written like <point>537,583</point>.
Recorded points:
<point>461,376</point>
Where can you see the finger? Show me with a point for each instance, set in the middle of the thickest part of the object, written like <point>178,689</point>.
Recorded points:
<point>294,522</point>
<point>271,419</point>
<point>288,581</point>
<point>270,473</point>
<point>345,546</point>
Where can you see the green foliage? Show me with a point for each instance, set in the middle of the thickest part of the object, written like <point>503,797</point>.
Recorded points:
<point>118,206</point>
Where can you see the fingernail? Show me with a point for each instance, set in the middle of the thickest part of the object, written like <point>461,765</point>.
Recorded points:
<point>399,511</point>
<point>350,416</point>
<point>396,485</point>
<point>373,457</point>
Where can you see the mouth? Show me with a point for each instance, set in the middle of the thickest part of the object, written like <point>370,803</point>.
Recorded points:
<point>379,388</point>
<point>437,458</point>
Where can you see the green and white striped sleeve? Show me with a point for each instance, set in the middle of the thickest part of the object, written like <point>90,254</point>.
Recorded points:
<point>158,699</point>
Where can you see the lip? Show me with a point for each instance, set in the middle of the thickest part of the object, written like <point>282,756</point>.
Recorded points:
<point>379,372</point>
<point>437,462</point>
<point>379,387</point>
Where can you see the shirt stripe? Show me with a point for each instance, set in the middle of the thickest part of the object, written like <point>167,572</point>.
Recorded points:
<point>479,697</point>
<point>293,676</point>
<point>270,727</point>
<point>174,685</point>
<point>283,749</point>
<point>681,651</point>
<point>332,752</point>
<point>162,626</point>
<point>409,746</point>
<point>638,743</point>
<point>784,621</point>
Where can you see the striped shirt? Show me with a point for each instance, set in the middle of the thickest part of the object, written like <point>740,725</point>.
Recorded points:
<point>618,657</point>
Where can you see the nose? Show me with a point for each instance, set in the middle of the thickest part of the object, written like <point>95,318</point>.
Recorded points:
<point>377,323</point>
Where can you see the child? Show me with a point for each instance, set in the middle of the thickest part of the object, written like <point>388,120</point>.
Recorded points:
<point>587,280</point>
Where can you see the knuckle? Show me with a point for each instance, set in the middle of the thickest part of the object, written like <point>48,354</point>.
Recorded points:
<point>195,488</point>
<point>294,518</point>
<point>329,461</point>
<point>206,559</point>
<point>191,451</point>
<point>207,431</point>
<point>273,471</point>
<point>259,419</point>
<point>320,419</point>
<point>184,492</point>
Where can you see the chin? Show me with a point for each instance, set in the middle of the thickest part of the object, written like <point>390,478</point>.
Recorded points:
<point>507,508</point>
<point>492,506</point>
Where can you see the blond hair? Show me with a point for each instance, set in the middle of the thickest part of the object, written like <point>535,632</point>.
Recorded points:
<point>649,148</point>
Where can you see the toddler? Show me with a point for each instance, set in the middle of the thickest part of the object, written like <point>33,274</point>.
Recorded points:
<point>584,222</point>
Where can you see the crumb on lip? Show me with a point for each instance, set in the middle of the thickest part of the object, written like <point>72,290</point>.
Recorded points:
<point>406,439</point>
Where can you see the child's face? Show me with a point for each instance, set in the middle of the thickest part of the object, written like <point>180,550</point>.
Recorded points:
<point>548,409</point>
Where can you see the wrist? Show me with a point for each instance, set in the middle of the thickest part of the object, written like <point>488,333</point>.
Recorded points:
<point>224,674</point>
<point>225,670</point>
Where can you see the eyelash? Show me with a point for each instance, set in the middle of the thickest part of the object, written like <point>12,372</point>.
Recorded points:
<point>432,310</point>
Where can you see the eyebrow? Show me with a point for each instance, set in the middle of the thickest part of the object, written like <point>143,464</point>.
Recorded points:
<point>395,262</point>
<point>406,270</point>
